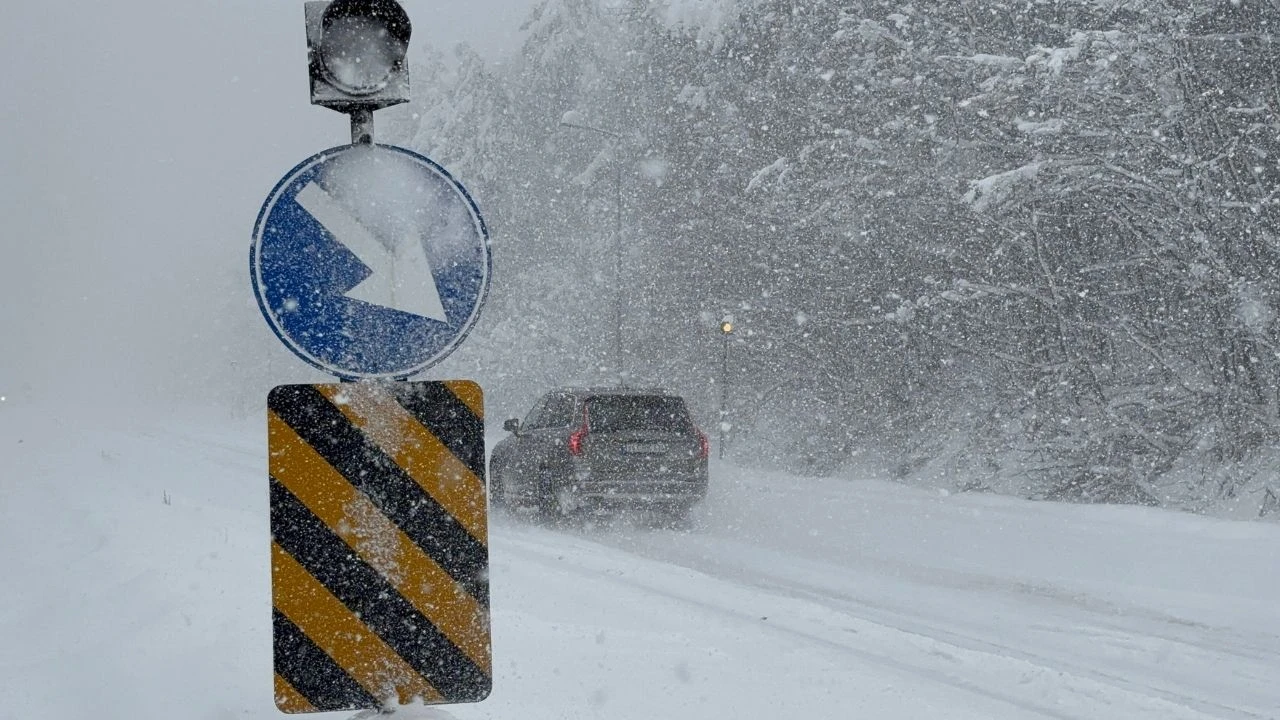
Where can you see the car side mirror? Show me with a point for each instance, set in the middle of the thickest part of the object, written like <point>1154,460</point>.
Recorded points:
<point>512,425</point>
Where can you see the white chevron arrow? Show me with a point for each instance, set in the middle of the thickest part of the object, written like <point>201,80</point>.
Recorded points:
<point>400,277</point>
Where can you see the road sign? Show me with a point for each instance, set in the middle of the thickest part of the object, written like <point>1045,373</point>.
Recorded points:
<point>379,552</point>
<point>370,261</point>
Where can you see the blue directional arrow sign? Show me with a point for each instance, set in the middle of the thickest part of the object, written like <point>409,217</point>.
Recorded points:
<point>370,261</point>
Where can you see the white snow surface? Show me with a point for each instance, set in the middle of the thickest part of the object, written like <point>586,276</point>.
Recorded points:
<point>134,552</point>
<point>991,191</point>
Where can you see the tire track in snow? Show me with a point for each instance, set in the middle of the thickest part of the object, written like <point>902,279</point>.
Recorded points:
<point>883,614</point>
<point>910,652</point>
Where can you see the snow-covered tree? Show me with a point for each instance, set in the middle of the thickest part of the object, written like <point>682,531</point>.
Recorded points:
<point>1038,237</point>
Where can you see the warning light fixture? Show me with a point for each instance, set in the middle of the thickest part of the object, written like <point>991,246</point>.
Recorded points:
<point>356,51</point>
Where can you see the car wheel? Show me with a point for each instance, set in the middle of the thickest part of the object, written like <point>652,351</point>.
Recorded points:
<point>678,517</point>
<point>556,502</point>
<point>497,490</point>
<point>534,494</point>
<point>567,502</point>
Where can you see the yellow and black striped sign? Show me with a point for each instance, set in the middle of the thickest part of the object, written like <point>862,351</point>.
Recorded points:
<point>379,545</point>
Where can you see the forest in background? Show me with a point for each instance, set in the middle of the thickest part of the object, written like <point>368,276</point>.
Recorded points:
<point>1026,247</point>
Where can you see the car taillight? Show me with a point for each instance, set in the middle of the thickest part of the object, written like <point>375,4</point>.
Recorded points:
<point>575,440</point>
<point>704,446</point>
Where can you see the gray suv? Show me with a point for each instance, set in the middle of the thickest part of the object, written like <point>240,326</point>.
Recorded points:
<point>601,448</point>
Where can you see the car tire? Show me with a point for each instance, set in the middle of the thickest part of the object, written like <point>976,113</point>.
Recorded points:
<point>551,504</point>
<point>537,499</point>
<point>678,517</point>
<point>497,490</point>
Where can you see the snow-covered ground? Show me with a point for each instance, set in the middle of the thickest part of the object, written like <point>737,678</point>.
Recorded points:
<point>134,558</point>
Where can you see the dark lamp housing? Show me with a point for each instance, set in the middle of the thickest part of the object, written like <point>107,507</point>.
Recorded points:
<point>386,13</point>
<point>358,50</point>
<point>357,55</point>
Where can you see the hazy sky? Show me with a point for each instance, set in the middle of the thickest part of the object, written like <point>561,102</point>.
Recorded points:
<point>490,26</point>
<point>138,140</point>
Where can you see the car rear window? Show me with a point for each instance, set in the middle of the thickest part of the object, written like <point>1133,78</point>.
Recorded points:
<point>606,413</point>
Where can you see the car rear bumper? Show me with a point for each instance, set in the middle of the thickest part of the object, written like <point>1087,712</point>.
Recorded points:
<point>614,488</point>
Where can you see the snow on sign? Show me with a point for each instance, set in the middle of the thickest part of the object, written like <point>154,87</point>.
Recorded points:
<point>379,545</point>
<point>370,261</point>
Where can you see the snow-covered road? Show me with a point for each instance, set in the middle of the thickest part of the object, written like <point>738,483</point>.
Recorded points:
<point>135,550</point>
<point>855,639</point>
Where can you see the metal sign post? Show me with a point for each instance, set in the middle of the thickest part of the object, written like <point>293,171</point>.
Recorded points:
<point>371,263</point>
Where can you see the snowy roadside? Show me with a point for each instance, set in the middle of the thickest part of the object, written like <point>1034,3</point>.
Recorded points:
<point>135,555</point>
<point>1137,600</point>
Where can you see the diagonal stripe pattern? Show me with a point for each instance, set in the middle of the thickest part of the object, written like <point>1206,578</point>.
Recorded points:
<point>379,553</point>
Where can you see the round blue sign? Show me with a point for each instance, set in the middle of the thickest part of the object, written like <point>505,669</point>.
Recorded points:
<point>370,261</point>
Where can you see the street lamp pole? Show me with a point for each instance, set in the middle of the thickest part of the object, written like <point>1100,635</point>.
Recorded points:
<point>617,238</point>
<point>726,329</point>
<point>617,261</point>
